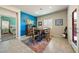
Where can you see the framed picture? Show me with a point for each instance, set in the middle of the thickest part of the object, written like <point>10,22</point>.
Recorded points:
<point>39,23</point>
<point>59,22</point>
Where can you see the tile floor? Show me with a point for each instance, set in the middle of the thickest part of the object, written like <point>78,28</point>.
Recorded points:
<point>14,46</point>
<point>56,45</point>
<point>6,37</point>
<point>59,45</point>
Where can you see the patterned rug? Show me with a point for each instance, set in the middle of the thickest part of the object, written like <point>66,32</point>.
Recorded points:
<point>38,47</point>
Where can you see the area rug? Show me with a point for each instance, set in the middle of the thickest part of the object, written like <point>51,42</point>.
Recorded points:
<point>38,47</point>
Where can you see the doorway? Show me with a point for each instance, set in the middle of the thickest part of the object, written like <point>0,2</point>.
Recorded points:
<point>74,26</point>
<point>8,28</point>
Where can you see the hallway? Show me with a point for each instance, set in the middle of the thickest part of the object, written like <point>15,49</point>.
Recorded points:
<point>56,45</point>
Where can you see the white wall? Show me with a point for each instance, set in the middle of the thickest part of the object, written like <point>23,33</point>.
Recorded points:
<point>56,31</point>
<point>70,10</point>
<point>6,12</point>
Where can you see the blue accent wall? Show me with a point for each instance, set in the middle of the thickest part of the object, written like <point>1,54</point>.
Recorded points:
<point>23,24</point>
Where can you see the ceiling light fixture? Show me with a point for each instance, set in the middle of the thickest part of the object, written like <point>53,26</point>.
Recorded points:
<point>39,11</point>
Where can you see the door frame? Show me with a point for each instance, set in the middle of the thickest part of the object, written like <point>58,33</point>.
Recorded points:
<point>9,26</point>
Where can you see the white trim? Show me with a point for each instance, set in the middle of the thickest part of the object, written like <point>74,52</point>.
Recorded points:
<point>75,47</point>
<point>19,25</point>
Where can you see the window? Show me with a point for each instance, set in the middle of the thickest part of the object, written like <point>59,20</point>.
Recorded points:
<point>47,23</point>
<point>74,26</point>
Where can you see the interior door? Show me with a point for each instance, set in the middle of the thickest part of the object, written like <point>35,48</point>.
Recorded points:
<point>5,27</point>
<point>74,26</point>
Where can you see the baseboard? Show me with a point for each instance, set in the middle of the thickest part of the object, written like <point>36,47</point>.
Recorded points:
<point>22,37</point>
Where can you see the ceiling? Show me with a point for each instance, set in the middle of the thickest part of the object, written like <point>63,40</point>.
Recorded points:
<point>39,10</point>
